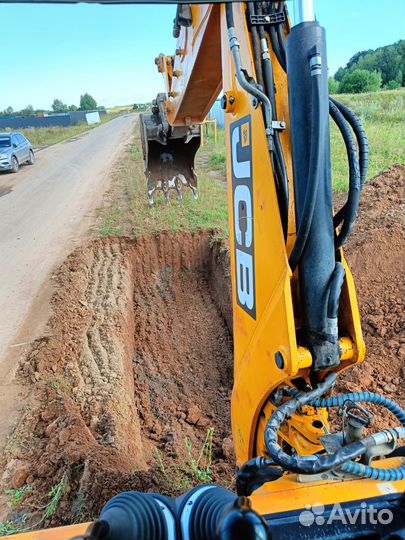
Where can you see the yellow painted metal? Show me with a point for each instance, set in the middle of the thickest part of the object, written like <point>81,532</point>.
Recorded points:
<point>58,533</point>
<point>257,340</point>
<point>288,494</point>
<point>273,329</point>
<point>193,76</point>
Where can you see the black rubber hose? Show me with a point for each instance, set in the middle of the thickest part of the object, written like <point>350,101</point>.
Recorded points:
<point>353,200</point>
<point>254,473</point>
<point>335,290</point>
<point>362,143</point>
<point>280,35</point>
<point>306,464</point>
<point>361,137</point>
<point>276,44</point>
<point>229,15</point>
<point>256,48</point>
<point>279,161</point>
<point>313,176</point>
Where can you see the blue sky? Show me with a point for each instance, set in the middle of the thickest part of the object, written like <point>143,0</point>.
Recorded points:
<point>65,50</point>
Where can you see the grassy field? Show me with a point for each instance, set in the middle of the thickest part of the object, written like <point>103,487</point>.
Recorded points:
<point>127,212</point>
<point>45,136</point>
<point>383,118</point>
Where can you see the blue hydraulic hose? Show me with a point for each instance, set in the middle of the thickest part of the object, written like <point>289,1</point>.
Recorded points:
<point>358,469</point>
<point>362,397</point>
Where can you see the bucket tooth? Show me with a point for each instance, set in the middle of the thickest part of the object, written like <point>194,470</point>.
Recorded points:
<point>169,154</point>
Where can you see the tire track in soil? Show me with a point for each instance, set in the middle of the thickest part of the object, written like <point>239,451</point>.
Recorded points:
<point>138,358</point>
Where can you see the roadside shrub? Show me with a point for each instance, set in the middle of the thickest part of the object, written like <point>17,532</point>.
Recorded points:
<point>333,86</point>
<point>392,85</point>
<point>359,81</point>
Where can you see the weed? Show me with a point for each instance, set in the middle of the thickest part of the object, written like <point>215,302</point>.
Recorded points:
<point>201,467</point>
<point>8,528</point>
<point>176,474</point>
<point>17,495</point>
<point>56,494</point>
<point>61,385</point>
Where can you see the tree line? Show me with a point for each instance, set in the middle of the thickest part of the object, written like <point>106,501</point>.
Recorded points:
<point>87,103</point>
<point>371,70</point>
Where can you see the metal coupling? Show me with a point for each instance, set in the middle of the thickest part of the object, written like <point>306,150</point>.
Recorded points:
<point>315,63</point>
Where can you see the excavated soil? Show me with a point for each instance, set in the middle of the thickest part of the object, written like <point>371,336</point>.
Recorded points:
<point>137,365</point>
<point>134,373</point>
<point>376,253</point>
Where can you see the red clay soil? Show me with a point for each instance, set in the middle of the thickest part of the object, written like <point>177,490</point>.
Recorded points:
<point>135,371</point>
<point>376,253</point>
<point>138,359</point>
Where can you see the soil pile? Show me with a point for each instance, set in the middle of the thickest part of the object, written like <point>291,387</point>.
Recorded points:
<point>376,254</point>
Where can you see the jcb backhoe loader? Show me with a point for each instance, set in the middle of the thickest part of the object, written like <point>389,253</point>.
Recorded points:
<point>296,319</point>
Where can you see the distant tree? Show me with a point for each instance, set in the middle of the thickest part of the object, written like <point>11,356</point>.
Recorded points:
<point>87,103</point>
<point>28,111</point>
<point>72,108</point>
<point>135,107</point>
<point>340,74</point>
<point>392,85</point>
<point>9,110</point>
<point>59,107</point>
<point>359,81</point>
<point>333,86</point>
<point>387,60</point>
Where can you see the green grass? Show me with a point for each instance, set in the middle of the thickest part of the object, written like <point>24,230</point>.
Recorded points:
<point>383,118</point>
<point>128,211</point>
<point>39,137</point>
<point>191,469</point>
<point>18,524</point>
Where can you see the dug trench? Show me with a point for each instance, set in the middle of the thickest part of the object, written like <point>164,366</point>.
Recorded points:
<point>132,383</point>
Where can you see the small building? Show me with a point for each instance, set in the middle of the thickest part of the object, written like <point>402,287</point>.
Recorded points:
<point>50,120</point>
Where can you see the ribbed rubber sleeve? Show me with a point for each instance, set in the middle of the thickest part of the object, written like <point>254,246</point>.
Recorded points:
<point>134,516</point>
<point>208,512</point>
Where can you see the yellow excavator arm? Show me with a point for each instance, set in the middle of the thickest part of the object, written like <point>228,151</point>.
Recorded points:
<point>295,313</point>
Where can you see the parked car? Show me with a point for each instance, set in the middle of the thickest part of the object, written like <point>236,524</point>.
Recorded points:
<point>15,150</point>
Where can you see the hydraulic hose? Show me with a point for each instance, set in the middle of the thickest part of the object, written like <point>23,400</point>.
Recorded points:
<point>306,464</point>
<point>353,200</point>
<point>358,469</point>
<point>342,458</point>
<point>361,137</point>
<point>280,34</point>
<point>361,397</point>
<point>278,49</point>
<point>256,47</point>
<point>244,83</point>
<point>279,160</point>
<point>313,175</point>
<point>362,143</point>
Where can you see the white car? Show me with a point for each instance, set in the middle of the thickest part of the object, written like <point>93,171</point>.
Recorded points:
<point>15,150</point>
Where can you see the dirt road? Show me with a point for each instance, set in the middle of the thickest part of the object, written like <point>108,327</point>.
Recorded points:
<point>44,212</point>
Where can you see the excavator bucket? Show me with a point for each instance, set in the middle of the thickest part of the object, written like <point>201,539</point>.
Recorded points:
<point>169,155</point>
